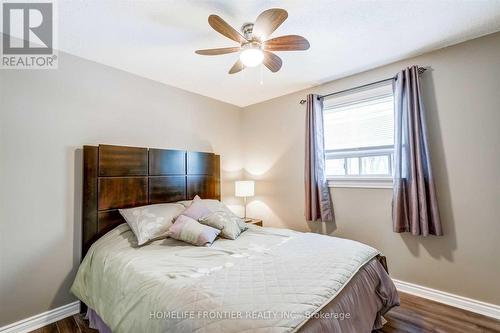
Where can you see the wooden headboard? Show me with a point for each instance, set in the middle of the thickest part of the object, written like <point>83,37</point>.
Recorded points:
<point>122,177</point>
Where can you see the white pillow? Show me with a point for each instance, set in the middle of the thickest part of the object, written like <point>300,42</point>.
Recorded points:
<point>151,222</point>
<point>212,204</point>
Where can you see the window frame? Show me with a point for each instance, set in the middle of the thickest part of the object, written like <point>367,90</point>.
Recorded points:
<point>361,181</point>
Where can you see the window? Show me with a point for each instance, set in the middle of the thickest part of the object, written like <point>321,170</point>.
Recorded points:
<point>359,137</point>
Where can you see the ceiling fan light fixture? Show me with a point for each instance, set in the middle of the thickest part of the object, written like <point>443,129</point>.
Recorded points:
<point>251,56</point>
<point>255,47</point>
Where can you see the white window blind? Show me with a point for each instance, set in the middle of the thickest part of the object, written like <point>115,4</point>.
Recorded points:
<point>359,133</point>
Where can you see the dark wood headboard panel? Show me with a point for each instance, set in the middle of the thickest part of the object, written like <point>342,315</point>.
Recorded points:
<point>117,177</point>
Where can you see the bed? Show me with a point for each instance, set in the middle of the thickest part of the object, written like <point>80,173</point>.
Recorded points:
<point>267,280</point>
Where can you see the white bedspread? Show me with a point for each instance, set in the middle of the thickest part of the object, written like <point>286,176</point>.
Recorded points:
<point>267,280</point>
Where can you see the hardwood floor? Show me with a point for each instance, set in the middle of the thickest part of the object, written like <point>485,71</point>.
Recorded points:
<point>415,315</point>
<point>420,315</point>
<point>74,324</point>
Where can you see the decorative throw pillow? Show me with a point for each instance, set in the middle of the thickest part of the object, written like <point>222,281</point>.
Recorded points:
<point>151,222</point>
<point>190,231</point>
<point>230,225</point>
<point>197,209</point>
<point>212,204</point>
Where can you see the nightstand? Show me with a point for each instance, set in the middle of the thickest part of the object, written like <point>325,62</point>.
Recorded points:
<point>255,221</point>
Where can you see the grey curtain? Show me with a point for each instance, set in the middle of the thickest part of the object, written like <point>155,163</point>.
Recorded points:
<point>414,202</point>
<point>318,202</point>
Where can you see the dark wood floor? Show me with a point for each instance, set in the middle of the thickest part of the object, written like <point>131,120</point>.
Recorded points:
<point>415,315</point>
<point>420,315</point>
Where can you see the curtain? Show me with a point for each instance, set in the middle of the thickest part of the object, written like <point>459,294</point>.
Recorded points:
<point>414,202</point>
<point>318,202</point>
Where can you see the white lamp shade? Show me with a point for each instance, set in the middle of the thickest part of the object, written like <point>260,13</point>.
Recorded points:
<point>244,188</point>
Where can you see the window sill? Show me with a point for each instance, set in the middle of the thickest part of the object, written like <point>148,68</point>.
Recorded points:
<point>360,182</point>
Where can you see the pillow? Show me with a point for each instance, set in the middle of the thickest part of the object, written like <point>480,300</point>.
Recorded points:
<point>151,222</point>
<point>197,209</point>
<point>212,204</point>
<point>188,230</point>
<point>230,225</point>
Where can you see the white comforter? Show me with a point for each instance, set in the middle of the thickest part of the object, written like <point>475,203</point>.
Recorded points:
<point>267,280</point>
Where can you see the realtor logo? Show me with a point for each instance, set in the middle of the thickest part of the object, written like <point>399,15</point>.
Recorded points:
<point>28,35</point>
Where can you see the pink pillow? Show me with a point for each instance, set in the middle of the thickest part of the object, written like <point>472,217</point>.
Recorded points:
<point>188,230</point>
<point>197,209</point>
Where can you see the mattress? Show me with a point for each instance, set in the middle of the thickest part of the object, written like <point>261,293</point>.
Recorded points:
<point>267,280</point>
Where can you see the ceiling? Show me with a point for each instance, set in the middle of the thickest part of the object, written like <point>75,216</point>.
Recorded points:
<point>157,39</point>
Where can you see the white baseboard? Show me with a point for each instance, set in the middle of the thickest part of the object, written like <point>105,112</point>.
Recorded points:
<point>42,319</point>
<point>469,304</point>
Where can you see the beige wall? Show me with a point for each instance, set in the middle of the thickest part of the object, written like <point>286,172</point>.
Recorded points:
<point>45,116</point>
<point>462,95</point>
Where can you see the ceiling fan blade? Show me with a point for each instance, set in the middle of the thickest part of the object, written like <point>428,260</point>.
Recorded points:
<point>272,61</point>
<point>223,50</point>
<point>268,21</point>
<point>237,67</point>
<point>287,43</point>
<point>225,29</point>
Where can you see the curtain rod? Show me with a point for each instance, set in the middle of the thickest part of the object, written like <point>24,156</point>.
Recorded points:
<point>420,71</point>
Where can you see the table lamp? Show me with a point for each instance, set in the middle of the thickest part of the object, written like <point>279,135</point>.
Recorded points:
<point>245,189</point>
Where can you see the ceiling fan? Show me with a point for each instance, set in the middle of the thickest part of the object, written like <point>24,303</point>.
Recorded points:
<point>255,47</point>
